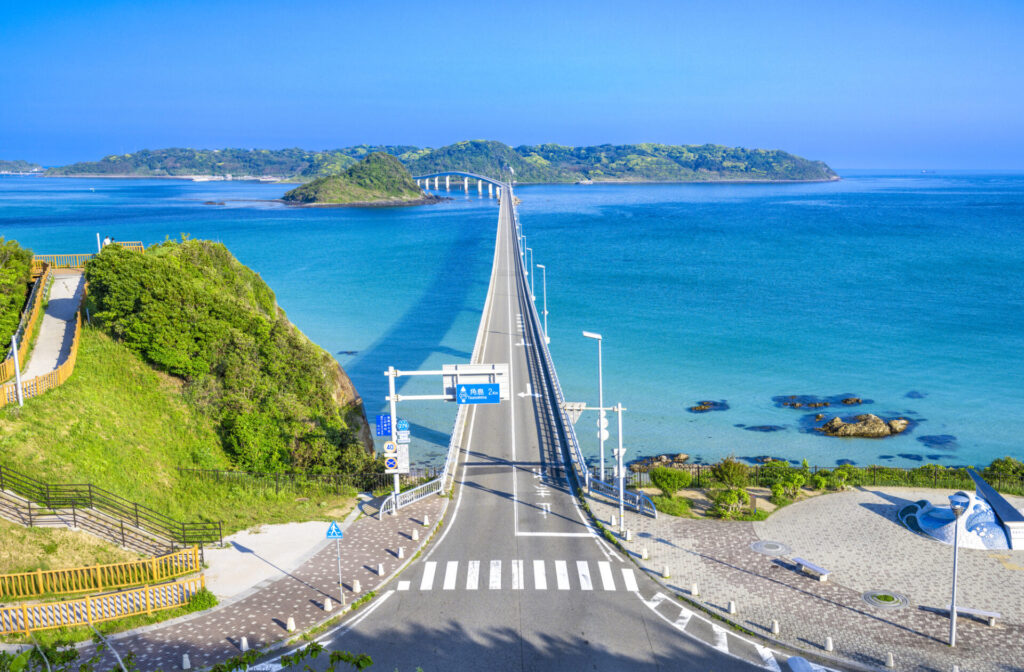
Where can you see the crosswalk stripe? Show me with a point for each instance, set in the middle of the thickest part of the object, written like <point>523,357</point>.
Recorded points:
<point>721,638</point>
<point>428,575</point>
<point>583,568</point>
<point>607,580</point>
<point>562,574</point>
<point>495,582</point>
<point>540,581</point>
<point>684,617</point>
<point>450,574</point>
<point>517,575</point>
<point>473,575</point>
<point>629,578</point>
<point>404,585</point>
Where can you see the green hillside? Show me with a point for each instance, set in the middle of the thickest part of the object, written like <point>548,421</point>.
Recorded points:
<point>19,166</point>
<point>15,281</point>
<point>378,179</point>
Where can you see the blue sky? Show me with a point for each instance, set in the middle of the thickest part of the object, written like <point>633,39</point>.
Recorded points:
<point>935,84</point>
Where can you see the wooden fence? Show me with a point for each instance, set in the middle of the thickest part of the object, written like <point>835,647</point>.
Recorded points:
<point>24,618</point>
<point>28,322</point>
<point>100,577</point>
<point>79,260</point>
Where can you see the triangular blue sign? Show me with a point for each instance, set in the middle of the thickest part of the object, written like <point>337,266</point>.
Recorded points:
<point>334,532</point>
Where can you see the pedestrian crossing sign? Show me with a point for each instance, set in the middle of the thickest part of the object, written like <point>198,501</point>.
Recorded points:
<point>334,532</point>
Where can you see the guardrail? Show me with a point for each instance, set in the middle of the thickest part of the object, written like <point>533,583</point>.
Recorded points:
<point>100,577</point>
<point>296,481</point>
<point>28,321</point>
<point>88,496</point>
<point>635,500</point>
<point>80,260</point>
<point>91,609</point>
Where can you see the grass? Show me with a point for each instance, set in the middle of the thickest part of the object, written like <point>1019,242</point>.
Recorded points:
<point>881,597</point>
<point>24,549</point>
<point>59,637</point>
<point>673,506</point>
<point>123,426</point>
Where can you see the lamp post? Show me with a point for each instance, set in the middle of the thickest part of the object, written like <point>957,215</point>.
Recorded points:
<point>958,503</point>
<point>602,424</point>
<point>529,265</point>
<point>544,283</point>
<point>619,454</point>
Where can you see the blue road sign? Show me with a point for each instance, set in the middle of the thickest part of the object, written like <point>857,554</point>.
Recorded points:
<point>334,532</point>
<point>479,393</point>
<point>403,425</point>
<point>384,425</point>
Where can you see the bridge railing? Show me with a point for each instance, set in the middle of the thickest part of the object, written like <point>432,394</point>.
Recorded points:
<point>635,500</point>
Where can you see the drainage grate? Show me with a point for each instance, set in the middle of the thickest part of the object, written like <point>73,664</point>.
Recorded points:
<point>770,548</point>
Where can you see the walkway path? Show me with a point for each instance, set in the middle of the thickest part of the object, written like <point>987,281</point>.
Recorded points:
<point>53,344</point>
<point>854,535</point>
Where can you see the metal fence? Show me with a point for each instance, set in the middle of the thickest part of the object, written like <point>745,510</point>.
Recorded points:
<point>294,481</point>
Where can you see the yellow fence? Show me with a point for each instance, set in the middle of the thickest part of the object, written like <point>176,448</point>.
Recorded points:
<point>23,618</point>
<point>79,260</point>
<point>100,577</point>
<point>7,366</point>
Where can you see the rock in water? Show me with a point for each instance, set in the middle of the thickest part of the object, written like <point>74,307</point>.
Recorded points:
<point>866,426</point>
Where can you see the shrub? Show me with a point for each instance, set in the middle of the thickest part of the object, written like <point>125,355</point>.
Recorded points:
<point>793,485</point>
<point>778,497</point>
<point>1004,467</point>
<point>774,471</point>
<point>15,278</point>
<point>202,599</point>
<point>729,502</point>
<point>731,471</point>
<point>673,506</point>
<point>819,481</point>
<point>669,480</point>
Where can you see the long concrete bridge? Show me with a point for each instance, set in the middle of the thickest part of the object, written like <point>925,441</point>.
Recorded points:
<point>494,187</point>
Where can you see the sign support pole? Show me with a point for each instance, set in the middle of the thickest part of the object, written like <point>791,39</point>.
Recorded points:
<point>341,584</point>
<point>394,413</point>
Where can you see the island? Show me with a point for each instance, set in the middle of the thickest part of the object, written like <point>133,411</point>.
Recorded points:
<point>532,164</point>
<point>379,179</point>
<point>19,167</point>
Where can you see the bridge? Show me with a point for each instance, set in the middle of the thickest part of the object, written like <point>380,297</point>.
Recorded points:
<point>493,185</point>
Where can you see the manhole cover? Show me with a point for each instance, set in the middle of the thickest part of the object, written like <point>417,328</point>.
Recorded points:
<point>885,599</point>
<point>770,548</point>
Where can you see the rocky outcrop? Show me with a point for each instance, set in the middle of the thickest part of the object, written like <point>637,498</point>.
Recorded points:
<point>648,463</point>
<point>865,426</point>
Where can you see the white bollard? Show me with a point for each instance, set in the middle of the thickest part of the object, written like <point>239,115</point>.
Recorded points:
<point>694,591</point>
<point>290,625</point>
<point>415,535</point>
<point>629,535</point>
<point>829,645</point>
<point>614,521</point>
<point>732,607</point>
<point>956,668</point>
<point>775,627</point>
<point>889,661</point>
<point>186,664</point>
<point>244,646</point>
<point>664,573</point>
<point>380,569</point>
<point>643,553</point>
<point>426,520</point>
<point>357,587</point>
<point>401,552</point>
<point>328,605</point>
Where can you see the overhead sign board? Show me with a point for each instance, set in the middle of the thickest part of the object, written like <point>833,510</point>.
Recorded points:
<point>334,532</point>
<point>455,376</point>
<point>384,424</point>
<point>480,393</point>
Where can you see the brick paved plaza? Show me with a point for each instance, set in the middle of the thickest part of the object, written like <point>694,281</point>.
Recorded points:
<point>853,534</point>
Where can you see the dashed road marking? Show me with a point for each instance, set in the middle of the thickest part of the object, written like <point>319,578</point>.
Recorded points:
<point>562,574</point>
<point>583,569</point>
<point>473,575</point>
<point>540,579</point>
<point>428,575</point>
<point>495,580</point>
<point>450,574</point>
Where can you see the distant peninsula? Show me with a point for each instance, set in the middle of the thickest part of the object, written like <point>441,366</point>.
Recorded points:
<point>19,167</point>
<point>379,179</point>
<point>548,163</point>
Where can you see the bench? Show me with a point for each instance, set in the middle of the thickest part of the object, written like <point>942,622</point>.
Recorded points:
<point>987,616</point>
<point>811,568</point>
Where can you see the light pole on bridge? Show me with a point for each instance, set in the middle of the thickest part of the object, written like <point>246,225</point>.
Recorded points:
<point>602,424</point>
<point>529,265</point>
<point>544,283</point>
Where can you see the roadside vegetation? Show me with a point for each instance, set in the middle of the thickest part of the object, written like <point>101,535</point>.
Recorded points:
<point>26,549</point>
<point>379,178</point>
<point>15,283</point>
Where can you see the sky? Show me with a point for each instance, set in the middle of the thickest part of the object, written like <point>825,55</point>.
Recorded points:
<point>931,84</point>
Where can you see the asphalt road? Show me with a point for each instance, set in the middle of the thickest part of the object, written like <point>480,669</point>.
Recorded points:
<point>517,579</point>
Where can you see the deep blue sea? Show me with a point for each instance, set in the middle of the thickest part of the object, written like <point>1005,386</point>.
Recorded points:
<point>903,289</point>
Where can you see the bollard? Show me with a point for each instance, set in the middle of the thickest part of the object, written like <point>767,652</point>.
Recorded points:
<point>328,605</point>
<point>643,553</point>
<point>185,663</point>
<point>244,646</point>
<point>290,625</point>
<point>732,607</point>
<point>775,627</point>
<point>415,535</point>
<point>956,668</point>
<point>426,520</point>
<point>614,521</point>
<point>380,569</point>
<point>629,535</point>
<point>829,646</point>
<point>889,661</point>
<point>401,552</point>
<point>664,573</point>
<point>694,591</point>
<point>357,587</point>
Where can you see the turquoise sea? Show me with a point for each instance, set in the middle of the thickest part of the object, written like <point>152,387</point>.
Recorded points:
<point>904,289</point>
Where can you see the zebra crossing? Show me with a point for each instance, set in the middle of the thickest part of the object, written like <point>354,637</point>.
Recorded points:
<point>522,575</point>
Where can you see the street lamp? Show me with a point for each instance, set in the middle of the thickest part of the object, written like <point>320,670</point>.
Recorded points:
<point>529,265</point>
<point>544,275</point>
<point>620,454</point>
<point>958,503</point>
<point>602,424</point>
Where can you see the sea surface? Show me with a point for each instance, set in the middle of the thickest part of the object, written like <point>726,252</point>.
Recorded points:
<point>903,289</point>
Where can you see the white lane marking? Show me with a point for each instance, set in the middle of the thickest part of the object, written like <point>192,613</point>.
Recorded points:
<point>512,404</point>
<point>451,572</point>
<point>473,575</point>
<point>343,629</point>
<point>629,578</point>
<point>768,658</point>
<point>562,574</point>
<point>655,600</point>
<point>721,638</point>
<point>495,580</point>
<point>404,585</point>
<point>554,534</point>
<point>540,580</point>
<point>545,508</point>
<point>517,575</point>
<point>583,569</point>
<point>607,580</point>
<point>684,617</point>
<point>428,575</point>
